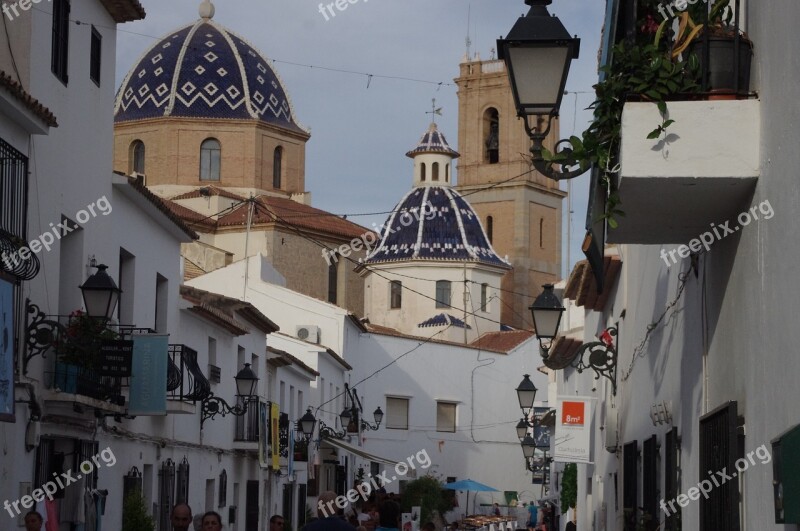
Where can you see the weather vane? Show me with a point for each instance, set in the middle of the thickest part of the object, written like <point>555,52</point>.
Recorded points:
<point>434,110</point>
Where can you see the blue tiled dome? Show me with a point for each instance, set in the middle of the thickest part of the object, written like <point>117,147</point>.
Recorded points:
<point>204,71</point>
<point>446,229</point>
<point>433,142</point>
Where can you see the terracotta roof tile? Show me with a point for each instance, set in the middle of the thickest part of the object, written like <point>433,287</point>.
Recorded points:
<point>562,353</point>
<point>582,288</point>
<point>502,341</point>
<point>124,10</point>
<point>280,211</point>
<point>289,213</point>
<point>209,190</point>
<point>136,184</point>
<point>33,105</point>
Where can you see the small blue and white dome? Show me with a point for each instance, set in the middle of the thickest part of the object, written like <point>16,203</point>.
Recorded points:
<point>204,71</point>
<point>433,221</point>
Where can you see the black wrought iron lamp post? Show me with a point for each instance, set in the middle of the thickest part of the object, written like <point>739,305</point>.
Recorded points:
<point>100,294</point>
<point>246,385</point>
<point>538,52</point>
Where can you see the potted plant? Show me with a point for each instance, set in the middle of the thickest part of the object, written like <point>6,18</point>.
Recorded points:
<point>78,351</point>
<point>716,41</point>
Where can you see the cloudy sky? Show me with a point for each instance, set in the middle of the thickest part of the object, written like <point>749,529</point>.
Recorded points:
<point>362,127</point>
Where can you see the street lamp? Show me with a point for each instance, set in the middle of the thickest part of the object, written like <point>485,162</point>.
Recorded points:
<point>246,384</point>
<point>538,52</point>
<point>546,311</point>
<point>351,418</point>
<point>100,294</point>
<point>526,394</point>
<point>307,423</point>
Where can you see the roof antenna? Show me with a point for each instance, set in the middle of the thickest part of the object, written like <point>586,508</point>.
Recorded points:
<point>468,40</point>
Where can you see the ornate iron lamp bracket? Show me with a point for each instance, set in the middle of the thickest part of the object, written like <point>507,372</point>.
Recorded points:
<point>602,358</point>
<point>327,432</point>
<point>41,334</point>
<point>214,405</point>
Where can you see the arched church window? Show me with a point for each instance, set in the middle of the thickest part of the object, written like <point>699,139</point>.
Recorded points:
<point>210,151</point>
<point>490,228</point>
<point>435,172</point>
<point>443,294</point>
<point>137,157</point>
<point>491,128</point>
<point>447,173</point>
<point>422,169</point>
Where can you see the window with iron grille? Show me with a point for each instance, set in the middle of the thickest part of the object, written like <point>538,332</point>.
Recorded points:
<point>630,485</point>
<point>672,481</point>
<point>182,483</point>
<point>60,44</point>
<point>719,449</point>
<point>650,483</point>
<point>223,489</point>
<point>13,190</point>
<point>96,55</point>
<point>166,494</point>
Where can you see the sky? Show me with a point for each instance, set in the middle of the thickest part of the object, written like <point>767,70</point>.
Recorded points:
<point>361,127</point>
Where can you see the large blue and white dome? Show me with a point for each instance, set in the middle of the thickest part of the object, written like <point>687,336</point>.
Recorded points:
<point>434,223</point>
<point>204,71</point>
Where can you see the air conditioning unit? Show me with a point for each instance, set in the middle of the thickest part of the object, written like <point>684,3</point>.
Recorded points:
<point>308,333</point>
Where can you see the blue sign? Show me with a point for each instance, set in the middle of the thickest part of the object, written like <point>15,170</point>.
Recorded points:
<point>6,351</point>
<point>149,375</point>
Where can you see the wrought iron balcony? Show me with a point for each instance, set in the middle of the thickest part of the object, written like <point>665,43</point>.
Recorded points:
<point>247,424</point>
<point>185,381</point>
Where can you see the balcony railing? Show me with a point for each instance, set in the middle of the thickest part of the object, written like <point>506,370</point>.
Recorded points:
<point>247,424</point>
<point>77,380</point>
<point>185,380</point>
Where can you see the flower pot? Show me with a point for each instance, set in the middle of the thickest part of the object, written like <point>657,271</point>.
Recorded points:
<point>721,63</point>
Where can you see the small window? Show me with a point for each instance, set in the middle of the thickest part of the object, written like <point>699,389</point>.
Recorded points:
<point>541,233</point>
<point>490,228</point>
<point>333,281</point>
<point>210,151</point>
<point>97,45</point>
<point>277,167</point>
<point>435,172</point>
<point>422,171</point>
<point>491,128</point>
<point>447,173</point>
<point>137,157</point>
<point>60,44</point>
<point>162,301</point>
<point>484,296</point>
<point>445,417</point>
<point>443,294</point>
<point>396,413</point>
<point>396,294</point>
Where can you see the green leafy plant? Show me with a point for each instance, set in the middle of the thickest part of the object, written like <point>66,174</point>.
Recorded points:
<point>569,487</point>
<point>80,343</point>
<point>134,513</point>
<point>428,494</point>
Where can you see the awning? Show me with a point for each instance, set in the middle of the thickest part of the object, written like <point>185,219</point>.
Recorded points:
<point>359,452</point>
